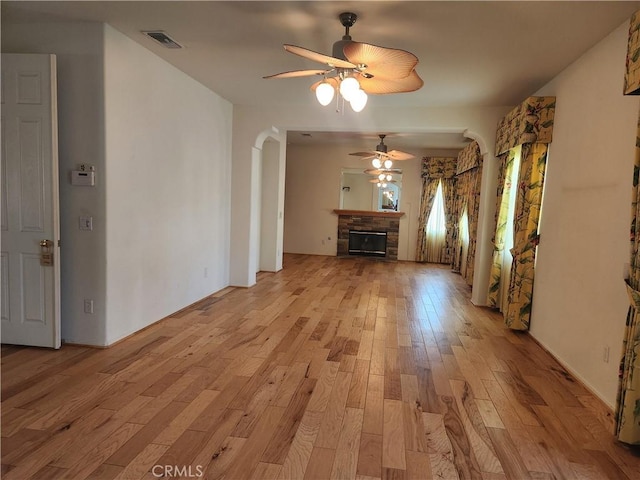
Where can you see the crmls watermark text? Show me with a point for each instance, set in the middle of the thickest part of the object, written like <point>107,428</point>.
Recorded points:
<point>183,471</point>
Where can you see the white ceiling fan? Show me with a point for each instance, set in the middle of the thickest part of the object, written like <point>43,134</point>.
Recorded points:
<point>356,69</point>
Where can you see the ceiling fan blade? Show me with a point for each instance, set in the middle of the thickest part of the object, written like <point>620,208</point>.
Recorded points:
<point>382,86</point>
<point>398,155</point>
<point>381,62</point>
<point>318,57</point>
<point>298,73</point>
<point>364,154</point>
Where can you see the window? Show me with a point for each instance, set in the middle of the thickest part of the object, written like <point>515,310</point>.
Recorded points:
<point>507,258</point>
<point>436,229</point>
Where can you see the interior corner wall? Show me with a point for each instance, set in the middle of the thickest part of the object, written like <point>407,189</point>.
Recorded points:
<point>269,248</point>
<point>580,302</point>
<point>79,49</point>
<point>168,155</point>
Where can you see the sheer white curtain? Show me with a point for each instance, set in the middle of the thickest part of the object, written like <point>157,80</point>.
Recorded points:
<point>507,259</point>
<point>436,230</point>
<point>463,235</point>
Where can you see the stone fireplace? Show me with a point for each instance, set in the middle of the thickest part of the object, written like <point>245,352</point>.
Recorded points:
<point>361,223</point>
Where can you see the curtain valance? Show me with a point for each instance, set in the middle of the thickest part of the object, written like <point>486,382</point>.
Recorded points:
<point>632,72</point>
<point>529,122</point>
<point>468,158</point>
<point>439,167</point>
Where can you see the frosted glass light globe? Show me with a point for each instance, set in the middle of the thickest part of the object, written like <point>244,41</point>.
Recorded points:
<point>381,177</point>
<point>358,100</point>
<point>388,163</point>
<point>324,93</point>
<point>348,87</point>
<point>389,178</point>
<point>376,163</point>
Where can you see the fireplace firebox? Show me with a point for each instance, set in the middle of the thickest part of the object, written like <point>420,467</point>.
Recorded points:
<point>367,243</point>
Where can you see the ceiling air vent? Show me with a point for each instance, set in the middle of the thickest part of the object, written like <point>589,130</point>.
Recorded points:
<point>162,38</point>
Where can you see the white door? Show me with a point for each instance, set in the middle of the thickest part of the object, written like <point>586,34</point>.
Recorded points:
<point>30,297</point>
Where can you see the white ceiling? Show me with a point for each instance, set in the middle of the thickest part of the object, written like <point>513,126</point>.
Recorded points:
<point>476,53</point>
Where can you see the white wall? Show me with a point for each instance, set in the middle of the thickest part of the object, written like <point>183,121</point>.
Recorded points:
<point>358,192</point>
<point>269,243</point>
<point>79,51</point>
<point>168,154</point>
<point>580,304</point>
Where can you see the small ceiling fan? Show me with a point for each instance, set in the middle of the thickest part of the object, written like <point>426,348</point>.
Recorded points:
<point>356,69</point>
<point>381,157</point>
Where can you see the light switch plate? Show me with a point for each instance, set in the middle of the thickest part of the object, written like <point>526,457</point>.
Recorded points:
<point>85,222</point>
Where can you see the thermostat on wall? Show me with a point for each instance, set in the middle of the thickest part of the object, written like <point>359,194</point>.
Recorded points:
<point>85,177</point>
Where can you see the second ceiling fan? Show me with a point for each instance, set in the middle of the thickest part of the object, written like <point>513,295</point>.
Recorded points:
<point>382,157</point>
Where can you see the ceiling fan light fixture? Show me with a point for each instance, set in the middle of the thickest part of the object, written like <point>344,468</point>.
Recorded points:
<point>376,163</point>
<point>325,93</point>
<point>388,163</point>
<point>348,88</point>
<point>358,100</point>
<point>381,177</point>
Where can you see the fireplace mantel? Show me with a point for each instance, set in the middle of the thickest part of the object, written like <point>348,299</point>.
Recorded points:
<point>368,213</point>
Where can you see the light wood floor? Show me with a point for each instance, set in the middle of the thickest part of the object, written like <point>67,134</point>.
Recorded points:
<point>331,368</point>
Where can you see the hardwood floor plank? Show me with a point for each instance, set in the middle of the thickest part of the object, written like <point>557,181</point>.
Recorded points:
<point>266,471</point>
<point>508,454</point>
<point>392,384</point>
<point>320,464</point>
<point>418,466</point>
<point>298,456</point>
<point>370,455</point>
<point>374,405</point>
<point>476,433</point>
<point>358,388</point>
<point>249,456</point>
<point>282,440</point>
<point>345,462</point>
<point>334,413</point>
<point>393,447</point>
<point>324,386</point>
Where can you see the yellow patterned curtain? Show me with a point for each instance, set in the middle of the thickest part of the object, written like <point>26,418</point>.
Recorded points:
<point>467,197</point>
<point>460,203</point>
<point>449,197</point>
<point>429,188</point>
<point>628,400</point>
<point>632,72</point>
<point>525,232</point>
<point>473,210</point>
<point>433,169</point>
<point>530,124</point>
<point>502,209</point>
